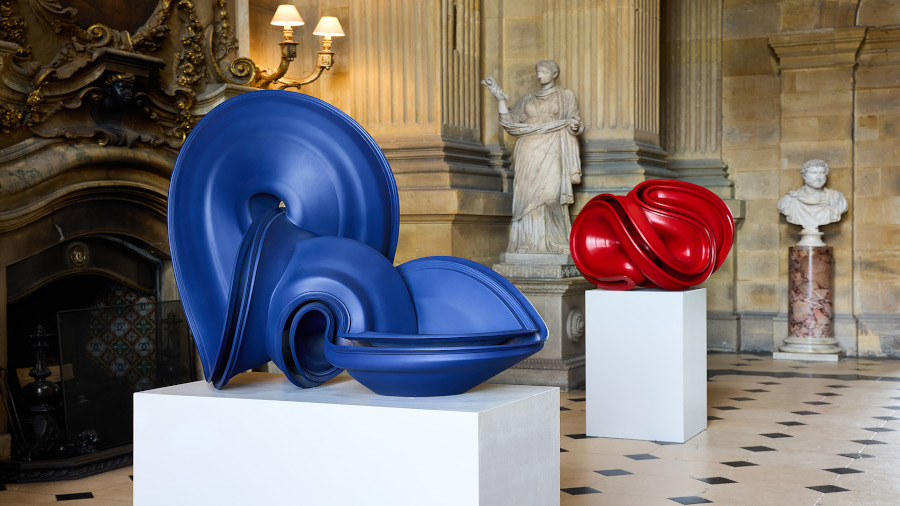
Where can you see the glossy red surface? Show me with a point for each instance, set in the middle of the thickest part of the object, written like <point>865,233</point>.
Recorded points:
<point>664,234</point>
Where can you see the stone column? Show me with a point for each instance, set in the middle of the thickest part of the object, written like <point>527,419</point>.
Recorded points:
<point>817,104</point>
<point>613,67</point>
<point>810,314</point>
<point>692,96</point>
<point>416,73</point>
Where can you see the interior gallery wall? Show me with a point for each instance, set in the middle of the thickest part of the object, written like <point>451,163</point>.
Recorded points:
<point>732,95</point>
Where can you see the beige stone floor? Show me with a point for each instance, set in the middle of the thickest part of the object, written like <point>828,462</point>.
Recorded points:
<point>796,425</point>
<point>776,429</point>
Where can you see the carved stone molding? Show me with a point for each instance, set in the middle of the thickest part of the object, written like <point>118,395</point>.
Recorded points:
<point>832,47</point>
<point>881,47</point>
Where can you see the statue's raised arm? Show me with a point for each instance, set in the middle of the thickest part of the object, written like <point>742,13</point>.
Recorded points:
<point>497,92</point>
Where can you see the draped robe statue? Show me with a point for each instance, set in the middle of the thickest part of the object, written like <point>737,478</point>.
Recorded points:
<point>546,162</point>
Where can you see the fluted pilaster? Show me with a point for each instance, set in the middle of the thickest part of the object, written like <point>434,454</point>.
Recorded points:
<point>692,69</point>
<point>612,65</point>
<point>416,67</point>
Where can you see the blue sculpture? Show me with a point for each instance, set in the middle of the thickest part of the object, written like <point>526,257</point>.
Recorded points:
<point>312,285</point>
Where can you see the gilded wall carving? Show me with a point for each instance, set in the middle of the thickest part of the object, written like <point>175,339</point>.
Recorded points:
<point>61,80</point>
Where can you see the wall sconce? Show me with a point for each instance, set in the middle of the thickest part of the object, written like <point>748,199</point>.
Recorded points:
<point>287,17</point>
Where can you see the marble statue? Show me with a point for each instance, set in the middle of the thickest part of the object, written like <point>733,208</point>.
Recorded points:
<point>813,205</point>
<point>546,161</point>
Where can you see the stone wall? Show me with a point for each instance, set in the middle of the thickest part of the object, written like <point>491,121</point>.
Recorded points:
<point>734,95</point>
<point>803,80</point>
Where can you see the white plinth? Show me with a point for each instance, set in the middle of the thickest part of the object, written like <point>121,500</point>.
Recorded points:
<point>646,364</point>
<point>262,440</point>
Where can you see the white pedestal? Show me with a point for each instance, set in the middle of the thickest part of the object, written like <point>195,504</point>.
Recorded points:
<point>646,364</point>
<point>261,440</point>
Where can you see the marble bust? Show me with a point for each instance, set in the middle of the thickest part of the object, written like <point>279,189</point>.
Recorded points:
<point>813,205</point>
<point>546,161</point>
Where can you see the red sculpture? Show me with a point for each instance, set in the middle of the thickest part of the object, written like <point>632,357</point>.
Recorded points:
<point>664,234</point>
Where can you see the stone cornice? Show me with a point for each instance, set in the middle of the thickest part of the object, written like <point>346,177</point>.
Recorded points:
<point>832,47</point>
<point>882,47</point>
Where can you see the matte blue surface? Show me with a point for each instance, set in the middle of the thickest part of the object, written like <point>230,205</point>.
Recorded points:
<point>311,286</point>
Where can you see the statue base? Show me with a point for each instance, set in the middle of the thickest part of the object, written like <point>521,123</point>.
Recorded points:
<point>811,330</point>
<point>555,288</point>
<point>537,266</point>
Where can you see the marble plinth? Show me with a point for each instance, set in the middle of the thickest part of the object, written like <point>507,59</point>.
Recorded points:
<point>553,284</point>
<point>810,313</point>
<point>261,440</point>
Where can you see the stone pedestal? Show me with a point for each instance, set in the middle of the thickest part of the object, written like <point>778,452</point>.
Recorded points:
<point>339,444</point>
<point>810,314</point>
<point>554,286</point>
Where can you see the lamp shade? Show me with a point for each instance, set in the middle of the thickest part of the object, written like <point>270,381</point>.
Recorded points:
<point>329,26</point>
<point>287,15</point>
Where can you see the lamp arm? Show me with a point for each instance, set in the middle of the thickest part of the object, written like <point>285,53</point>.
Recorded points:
<point>264,78</point>
<point>324,62</point>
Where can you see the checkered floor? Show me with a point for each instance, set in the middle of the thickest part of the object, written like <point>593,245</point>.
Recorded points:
<point>780,432</point>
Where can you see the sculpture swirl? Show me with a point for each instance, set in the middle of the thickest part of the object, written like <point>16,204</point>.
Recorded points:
<point>662,234</point>
<point>283,222</point>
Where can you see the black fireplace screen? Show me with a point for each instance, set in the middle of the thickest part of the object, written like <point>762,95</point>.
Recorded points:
<point>108,353</point>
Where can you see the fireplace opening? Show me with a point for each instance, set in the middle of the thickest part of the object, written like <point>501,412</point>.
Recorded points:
<point>95,303</point>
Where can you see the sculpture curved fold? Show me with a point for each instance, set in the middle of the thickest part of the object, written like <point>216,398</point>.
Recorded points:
<point>283,220</point>
<point>663,234</point>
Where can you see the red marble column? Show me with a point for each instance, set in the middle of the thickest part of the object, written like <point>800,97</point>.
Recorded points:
<point>810,327</point>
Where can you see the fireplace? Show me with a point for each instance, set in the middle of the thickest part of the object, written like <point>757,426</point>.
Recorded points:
<point>94,273</point>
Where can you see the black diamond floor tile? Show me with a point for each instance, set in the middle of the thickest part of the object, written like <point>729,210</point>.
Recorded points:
<point>579,399</point>
<point>804,413</point>
<point>759,448</point>
<point>827,394</point>
<point>742,398</point>
<point>837,386</point>
<point>827,489</point>
<point>641,456</point>
<point>886,418</point>
<point>857,455</point>
<point>880,429</point>
<point>756,390</point>
<point>131,477</point>
<point>690,499</point>
<point>579,436</point>
<point>72,497</point>
<point>798,366</point>
<point>776,435</point>
<point>790,424</point>
<point>613,472</point>
<point>724,408</point>
<point>751,359</point>
<point>842,470</point>
<point>739,365</point>
<point>739,463</point>
<point>580,490</point>
<point>869,442</point>
<point>768,382</point>
<point>817,403</point>
<point>711,418</point>
<point>563,450</point>
<point>561,408</point>
<point>891,407</point>
<point>716,480</point>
